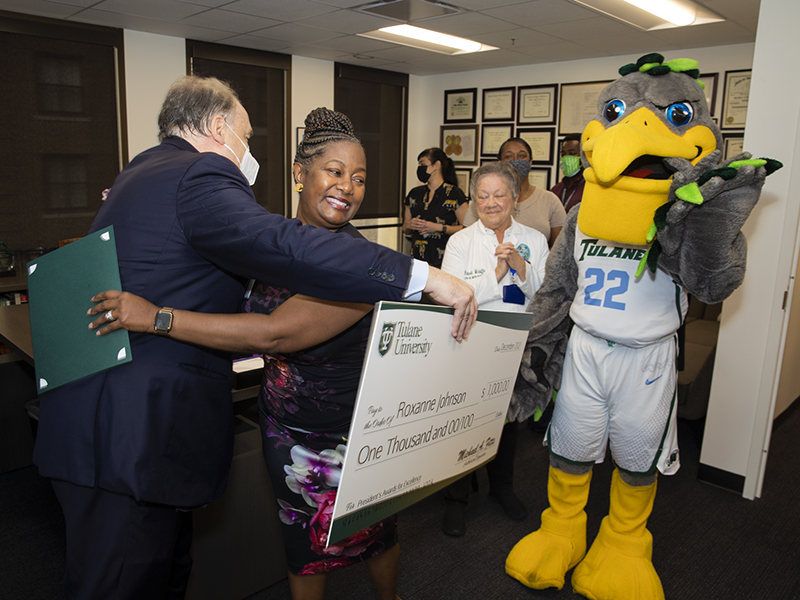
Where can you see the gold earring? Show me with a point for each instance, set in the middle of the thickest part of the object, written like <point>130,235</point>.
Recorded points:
<point>298,187</point>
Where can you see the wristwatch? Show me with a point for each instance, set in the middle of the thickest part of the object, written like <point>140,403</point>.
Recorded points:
<point>163,322</point>
<point>444,229</point>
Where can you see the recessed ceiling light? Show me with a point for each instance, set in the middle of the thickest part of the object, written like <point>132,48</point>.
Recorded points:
<point>675,13</point>
<point>654,14</point>
<point>425,39</point>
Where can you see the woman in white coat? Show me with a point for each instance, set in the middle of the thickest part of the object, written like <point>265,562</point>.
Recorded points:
<point>504,261</point>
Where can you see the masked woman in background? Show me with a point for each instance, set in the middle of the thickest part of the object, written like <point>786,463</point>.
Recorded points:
<point>434,211</point>
<point>313,356</point>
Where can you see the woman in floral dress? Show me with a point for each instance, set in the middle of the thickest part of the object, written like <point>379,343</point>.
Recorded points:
<point>309,386</point>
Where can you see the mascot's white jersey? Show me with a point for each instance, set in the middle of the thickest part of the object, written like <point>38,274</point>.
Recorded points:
<point>611,303</point>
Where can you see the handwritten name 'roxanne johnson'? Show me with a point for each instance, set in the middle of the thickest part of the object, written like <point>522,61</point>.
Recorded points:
<point>446,400</point>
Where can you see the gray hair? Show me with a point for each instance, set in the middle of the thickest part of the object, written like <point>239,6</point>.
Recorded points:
<point>192,102</point>
<point>500,168</point>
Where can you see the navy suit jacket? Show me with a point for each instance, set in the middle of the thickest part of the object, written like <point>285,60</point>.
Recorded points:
<point>189,234</point>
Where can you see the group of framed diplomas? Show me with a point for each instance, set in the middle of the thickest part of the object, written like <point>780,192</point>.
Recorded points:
<point>539,114</point>
<point>530,112</point>
<point>505,112</point>
<point>735,99</point>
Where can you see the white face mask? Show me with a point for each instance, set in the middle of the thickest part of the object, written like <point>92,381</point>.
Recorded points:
<point>248,165</point>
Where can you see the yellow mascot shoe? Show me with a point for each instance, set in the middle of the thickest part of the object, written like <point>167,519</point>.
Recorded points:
<point>619,565</point>
<point>541,559</point>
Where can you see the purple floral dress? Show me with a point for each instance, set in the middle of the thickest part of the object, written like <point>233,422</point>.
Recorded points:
<point>305,407</point>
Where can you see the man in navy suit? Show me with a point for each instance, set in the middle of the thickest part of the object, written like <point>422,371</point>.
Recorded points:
<point>131,450</point>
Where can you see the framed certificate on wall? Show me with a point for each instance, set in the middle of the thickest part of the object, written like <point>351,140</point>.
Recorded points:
<point>460,143</point>
<point>460,106</point>
<point>578,105</point>
<point>710,82</point>
<point>464,175</point>
<point>732,145</point>
<point>540,178</point>
<point>542,142</point>
<point>735,99</point>
<point>537,104</point>
<point>493,136</point>
<point>498,104</point>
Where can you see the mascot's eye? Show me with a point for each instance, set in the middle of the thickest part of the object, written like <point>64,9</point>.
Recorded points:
<point>614,110</point>
<point>679,113</point>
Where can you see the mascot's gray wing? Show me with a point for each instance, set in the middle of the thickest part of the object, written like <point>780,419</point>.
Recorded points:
<point>543,358</point>
<point>698,229</point>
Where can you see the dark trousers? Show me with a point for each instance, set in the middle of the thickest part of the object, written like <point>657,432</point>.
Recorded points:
<point>500,470</point>
<point>120,549</point>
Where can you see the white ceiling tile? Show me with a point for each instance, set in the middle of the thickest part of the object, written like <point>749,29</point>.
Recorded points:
<point>341,3</point>
<point>499,58</point>
<point>207,3</point>
<point>314,52</point>
<point>159,10</point>
<point>294,33</point>
<point>402,53</point>
<point>430,59</point>
<point>516,38</point>
<point>587,29</point>
<point>750,25</point>
<point>351,44</point>
<point>734,9</point>
<point>40,8</point>
<point>193,32</point>
<point>483,4</point>
<point>466,24</point>
<point>81,3</point>
<point>711,34</point>
<point>256,42</point>
<point>406,54</point>
<point>229,21</point>
<point>375,63</point>
<point>559,51</point>
<point>540,12</point>
<point>283,10</point>
<point>101,17</point>
<point>348,21</point>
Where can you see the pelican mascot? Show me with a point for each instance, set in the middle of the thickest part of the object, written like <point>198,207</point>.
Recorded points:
<point>661,217</point>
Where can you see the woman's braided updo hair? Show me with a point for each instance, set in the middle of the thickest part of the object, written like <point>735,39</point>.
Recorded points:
<point>322,127</point>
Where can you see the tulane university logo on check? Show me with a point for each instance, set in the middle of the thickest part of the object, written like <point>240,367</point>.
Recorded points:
<point>385,341</point>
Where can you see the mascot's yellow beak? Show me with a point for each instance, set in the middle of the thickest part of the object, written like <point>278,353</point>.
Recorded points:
<point>627,181</point>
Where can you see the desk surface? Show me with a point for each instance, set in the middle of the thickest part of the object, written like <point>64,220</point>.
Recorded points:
<point>15,330</point>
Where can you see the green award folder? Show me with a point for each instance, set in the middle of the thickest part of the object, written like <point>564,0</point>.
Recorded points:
<point>60,287</point>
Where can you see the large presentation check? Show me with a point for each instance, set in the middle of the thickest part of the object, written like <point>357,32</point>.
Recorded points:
<point>429,409</point>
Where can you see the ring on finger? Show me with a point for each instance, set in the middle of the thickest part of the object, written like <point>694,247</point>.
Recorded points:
<point>109,317</point>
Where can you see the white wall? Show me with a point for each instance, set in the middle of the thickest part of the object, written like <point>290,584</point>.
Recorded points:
<point>152,64</point>
<point>753,323</point>
<point>312,87</point>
